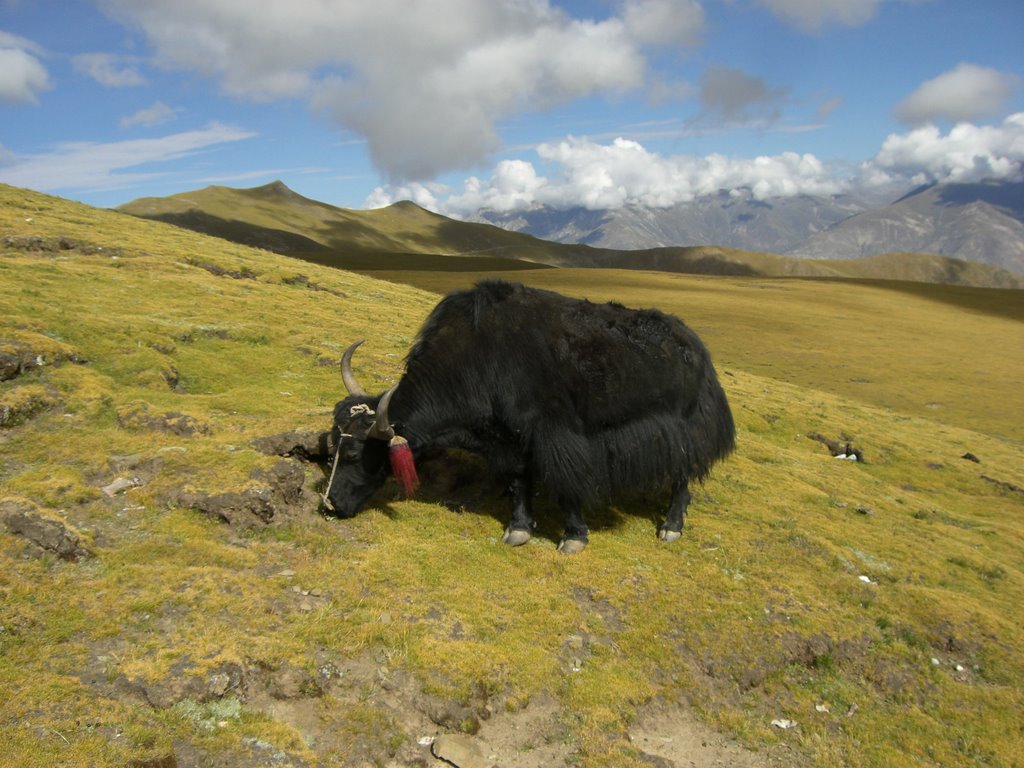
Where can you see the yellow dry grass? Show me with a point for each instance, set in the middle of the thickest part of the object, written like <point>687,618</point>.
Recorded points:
<point>758,613</point>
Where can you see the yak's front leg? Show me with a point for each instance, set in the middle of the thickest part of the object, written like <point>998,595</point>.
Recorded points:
<point>521,525</point>
<point>672,528</point>
<point>576,533</point>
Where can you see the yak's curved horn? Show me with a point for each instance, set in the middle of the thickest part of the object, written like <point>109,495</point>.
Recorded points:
<point>381,428</point>
<point>346,372</point>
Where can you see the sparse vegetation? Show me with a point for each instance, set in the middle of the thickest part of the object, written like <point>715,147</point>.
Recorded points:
<point>891,636</point>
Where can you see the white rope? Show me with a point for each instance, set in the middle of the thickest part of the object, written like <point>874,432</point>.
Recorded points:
<point>334,468</point>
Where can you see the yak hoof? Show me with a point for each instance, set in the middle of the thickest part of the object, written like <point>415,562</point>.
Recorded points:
<point>516,537</point>
<point>571,546</point>
<point>669,536</point>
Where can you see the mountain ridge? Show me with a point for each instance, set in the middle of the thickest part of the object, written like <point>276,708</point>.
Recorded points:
<point>982,222</point>
<point>407,236</point>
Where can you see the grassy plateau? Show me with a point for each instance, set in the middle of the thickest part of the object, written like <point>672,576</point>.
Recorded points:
<point>816,612</point>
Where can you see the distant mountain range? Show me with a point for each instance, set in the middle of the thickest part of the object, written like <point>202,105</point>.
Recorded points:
<point>406,237</point>
<point>730,219</point>
<point>975,222</point>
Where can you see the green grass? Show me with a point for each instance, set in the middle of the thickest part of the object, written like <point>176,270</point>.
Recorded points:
<point>757,613</point>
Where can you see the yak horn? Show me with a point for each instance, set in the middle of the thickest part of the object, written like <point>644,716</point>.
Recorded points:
<point>346,372</point>
<point>381,428</point>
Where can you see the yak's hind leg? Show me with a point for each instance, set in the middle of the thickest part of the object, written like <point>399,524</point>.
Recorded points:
<point>672,528</point>
<point>520,526</point>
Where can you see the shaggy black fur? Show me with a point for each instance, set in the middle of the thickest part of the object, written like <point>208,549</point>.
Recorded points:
<point>589,399</point>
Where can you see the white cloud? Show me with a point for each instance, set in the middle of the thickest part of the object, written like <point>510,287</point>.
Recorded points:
<point>22,74</point>
<point>967,153</point>
<point>9,40</point>
<point>428,195</point>
<point>812,15</point>
<point>584,173</point>
<point>425,82</point>
<point>97,166</point>
<point>153,115</point>
<point>108,69</point>
<point>967,92</point>
<point>598,176</point>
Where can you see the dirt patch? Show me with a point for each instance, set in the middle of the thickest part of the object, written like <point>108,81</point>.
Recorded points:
<point>670,736</point>
<point>351,712</point>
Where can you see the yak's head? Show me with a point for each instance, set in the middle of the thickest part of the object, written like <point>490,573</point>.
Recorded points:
<point>360,434</point>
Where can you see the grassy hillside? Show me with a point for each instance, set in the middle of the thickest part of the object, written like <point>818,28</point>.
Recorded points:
<point>925,350</point>
<point>205,613</point>
<point>405,236</point>
<point>276,218</point>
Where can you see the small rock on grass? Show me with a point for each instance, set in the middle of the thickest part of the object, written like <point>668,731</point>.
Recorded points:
<point>460,751</point>
<point>120,485</point>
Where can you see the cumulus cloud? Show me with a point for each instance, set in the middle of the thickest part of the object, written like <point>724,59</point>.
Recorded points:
<point>579,172</point>
<point>967,153</point>
<point>108,69</point>
<point>599,176</point>
<point>967,92</point>
<point>425,82</point>
<point>94,166</point>
<point>22,74</point>
<point>153,115</point>
<point>733,96</point>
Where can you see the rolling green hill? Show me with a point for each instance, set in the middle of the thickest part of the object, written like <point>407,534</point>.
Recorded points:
<point>171,595</point>
<point>404,236</point>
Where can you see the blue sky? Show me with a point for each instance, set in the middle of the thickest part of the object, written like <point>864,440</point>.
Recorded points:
<point>460,104</point>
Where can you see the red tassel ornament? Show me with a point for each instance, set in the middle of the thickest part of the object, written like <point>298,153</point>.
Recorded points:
<point>402,465</point>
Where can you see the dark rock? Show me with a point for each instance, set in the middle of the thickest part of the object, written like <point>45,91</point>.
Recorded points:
<point>24,408</point>
<point>285,479</point>
<point>246,509</point>
<point>184,682</point>
<point>19,357</point>
<point>281,491</point>
<point>11,365</point>
<point>139,416</point>
<point>842,447</point>
<point>30,243</point>
<point>23,519</point>
<point>301,444</point>
<point>971,457</point>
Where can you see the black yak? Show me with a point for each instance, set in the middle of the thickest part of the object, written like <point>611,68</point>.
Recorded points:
<point>589,400</point>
